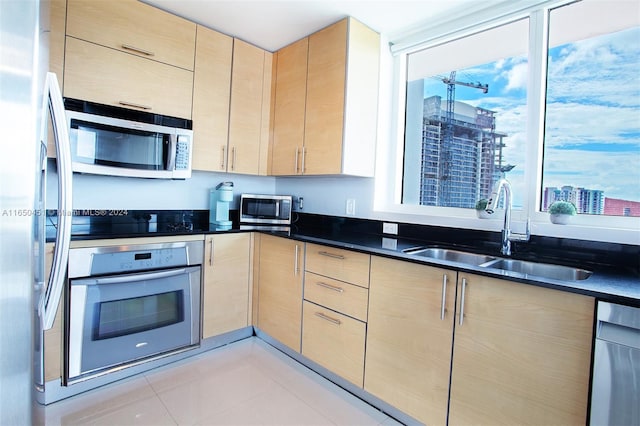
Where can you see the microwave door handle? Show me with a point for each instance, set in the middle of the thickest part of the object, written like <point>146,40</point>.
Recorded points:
<point>173,143</point>
<point>48,305</point>
<point>277,209</point>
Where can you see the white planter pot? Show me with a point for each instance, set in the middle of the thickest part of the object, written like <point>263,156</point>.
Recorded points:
<point>482,214</point>
<point>560,219</point>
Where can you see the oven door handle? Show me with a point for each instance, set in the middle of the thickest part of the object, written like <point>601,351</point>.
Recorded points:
<point>130,278</point>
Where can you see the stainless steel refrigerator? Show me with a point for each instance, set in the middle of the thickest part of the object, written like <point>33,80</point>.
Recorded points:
<point>28,96</point>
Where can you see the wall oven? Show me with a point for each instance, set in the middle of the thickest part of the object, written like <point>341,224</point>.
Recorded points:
<point>114,141</point>
<point>130,304</point>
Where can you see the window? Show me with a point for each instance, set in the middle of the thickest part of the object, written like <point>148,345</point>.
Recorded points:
<point>592,126</point>
<point>560,118</point>
<point>466,117</point>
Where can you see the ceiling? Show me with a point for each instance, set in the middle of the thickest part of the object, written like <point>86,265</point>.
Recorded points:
<point>272,24</point>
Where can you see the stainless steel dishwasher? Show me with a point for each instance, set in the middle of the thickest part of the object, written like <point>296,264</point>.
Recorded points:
<point>616,368</point>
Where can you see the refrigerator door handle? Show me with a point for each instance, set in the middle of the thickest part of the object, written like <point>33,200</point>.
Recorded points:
<point>49,302</point>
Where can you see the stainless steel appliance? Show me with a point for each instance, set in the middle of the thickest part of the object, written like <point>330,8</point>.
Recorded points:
<point>27,94</point>
<point>130,304</point>
<point>616,367</point>
<point>265,209</point>
<point>114,141</point>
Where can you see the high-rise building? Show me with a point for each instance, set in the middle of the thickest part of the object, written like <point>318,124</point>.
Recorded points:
<point>587,201</point>
<point>462,167</point>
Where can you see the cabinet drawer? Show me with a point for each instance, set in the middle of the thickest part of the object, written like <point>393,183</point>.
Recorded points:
<point>334,341</point>
<point>343,265</point>
<point>107,76</point>
<point>134,27</point>
<point>345,298</point>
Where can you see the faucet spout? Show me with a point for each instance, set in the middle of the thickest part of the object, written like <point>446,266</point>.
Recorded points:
<point>492,204</point>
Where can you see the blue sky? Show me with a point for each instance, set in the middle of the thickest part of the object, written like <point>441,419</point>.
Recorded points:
<point>592,136</point>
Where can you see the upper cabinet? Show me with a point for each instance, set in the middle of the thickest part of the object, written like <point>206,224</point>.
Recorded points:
<point>133,56</point>
<point>134,27</point>
<point>231,105</point>
<point>339,103</point>
<point>211,96</point>
<point>250,109</point>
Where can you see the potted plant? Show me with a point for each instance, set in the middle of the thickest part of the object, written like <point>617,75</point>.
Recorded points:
<point>560,212</point>
<point>481,206</point>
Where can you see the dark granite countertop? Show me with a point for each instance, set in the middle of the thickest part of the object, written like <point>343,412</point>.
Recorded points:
<point>615,267</point>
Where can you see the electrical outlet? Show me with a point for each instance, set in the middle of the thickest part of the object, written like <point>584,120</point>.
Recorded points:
<point>390,228</point>
<point>351,207</point>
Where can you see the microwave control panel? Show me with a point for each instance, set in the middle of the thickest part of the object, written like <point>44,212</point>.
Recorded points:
<point>182,153</point>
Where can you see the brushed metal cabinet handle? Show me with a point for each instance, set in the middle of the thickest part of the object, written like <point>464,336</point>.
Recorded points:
<point>332,255</point>
<point>330,287</point>
<point>295,261</point>
<point>137,49</point>
<point>134,105</point>
<point>223,157</point>
<point>328,318</point>
<point>296,161</point>
<point>304,157</point>
<point>211,252</point>
<point>464,289</point>
<point>233,158</point>
<point>444,296</point>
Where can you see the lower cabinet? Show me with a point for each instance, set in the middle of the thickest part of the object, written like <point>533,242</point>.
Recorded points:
<point>513,353</point>
<point>226,301</point>
<point>279,274</point>
<point>522,354</point>
<point>409,337</point>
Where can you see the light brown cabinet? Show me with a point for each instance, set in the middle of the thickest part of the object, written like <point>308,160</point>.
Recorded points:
<point>335,310</point>
<point>53,338</point>
<point>409,337</point>
<point>211,97</point>
<point>135,28</point>
<point>340,103</point>
<point>279,275</point>
<point>103,75</point>
<point>521,353</point>
<point>250,110</point>
<point>131,55</point>
<point>226,302</point>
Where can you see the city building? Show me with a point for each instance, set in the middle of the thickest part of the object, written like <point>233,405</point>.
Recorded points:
<point>460,156</point>
<point>587,201</point>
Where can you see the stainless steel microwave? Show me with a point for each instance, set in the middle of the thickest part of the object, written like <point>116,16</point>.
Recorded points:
<point>107,140</point>
<point>265,209</point>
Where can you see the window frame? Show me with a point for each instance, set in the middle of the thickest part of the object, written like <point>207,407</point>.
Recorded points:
<point>390,155</point>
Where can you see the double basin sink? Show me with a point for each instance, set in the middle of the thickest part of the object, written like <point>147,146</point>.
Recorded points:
<point>534,269</point>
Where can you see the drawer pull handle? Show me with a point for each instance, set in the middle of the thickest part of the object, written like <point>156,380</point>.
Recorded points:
<point>131,104</point>
<point>137,49</point>
<point>328,318</point>
<point>332,255</point>
<point>330,287</point>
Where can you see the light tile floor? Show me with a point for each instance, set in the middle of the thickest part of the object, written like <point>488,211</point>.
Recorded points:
<point>244,383</point>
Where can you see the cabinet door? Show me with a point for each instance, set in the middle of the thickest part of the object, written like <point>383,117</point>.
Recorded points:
<point>211,94</point>
<point>409,337</point>
<point>323,133</point>
<point>289,108</point>
<point>226,283</point>
<point>334,341</point>
<point>246,137</point>
<point>134,27</point>
<point>521,356</point>
<point>280,289</point>
<point>107,76</point>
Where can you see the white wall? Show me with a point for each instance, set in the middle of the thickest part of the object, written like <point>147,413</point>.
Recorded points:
<point>328,195</point>
<point>106,192</point>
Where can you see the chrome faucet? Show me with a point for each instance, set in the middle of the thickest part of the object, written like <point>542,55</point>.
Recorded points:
<point>492,203</point>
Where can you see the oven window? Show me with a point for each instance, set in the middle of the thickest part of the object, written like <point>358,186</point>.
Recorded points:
<point>260,209</point>
<point>128,316</point>
<point>104,145</point>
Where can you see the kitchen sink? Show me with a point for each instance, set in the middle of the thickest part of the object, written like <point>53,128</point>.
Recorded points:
<point>542,270</point>
<point>450,255</point>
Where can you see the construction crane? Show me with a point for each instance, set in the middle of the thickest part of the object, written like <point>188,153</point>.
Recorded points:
<point>447,140</point>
